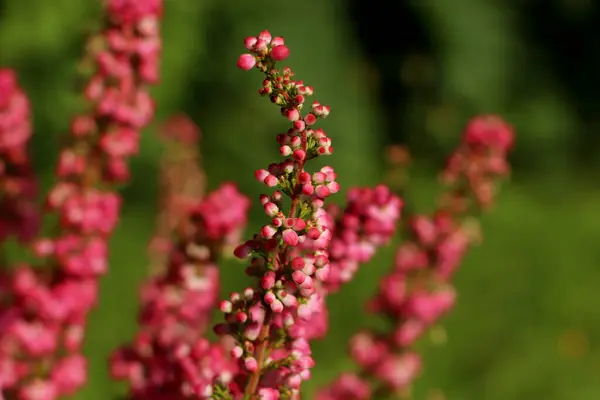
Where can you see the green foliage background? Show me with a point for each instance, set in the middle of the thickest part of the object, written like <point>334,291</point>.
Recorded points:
<point>527,324</point>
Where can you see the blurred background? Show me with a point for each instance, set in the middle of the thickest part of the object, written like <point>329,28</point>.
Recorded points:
<point>527,323</point>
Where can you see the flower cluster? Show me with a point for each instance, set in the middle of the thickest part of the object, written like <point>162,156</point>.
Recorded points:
<point>43,325</point>
<point>367,222</point>
<point>274,358</point>
<point>169,357</point>
<point>418,291</point>
<point>473,167</point>
<point>19,214</point>
<point>305,251</point>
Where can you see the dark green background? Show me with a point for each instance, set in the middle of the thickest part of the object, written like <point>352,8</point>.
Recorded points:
<point>409,72</point>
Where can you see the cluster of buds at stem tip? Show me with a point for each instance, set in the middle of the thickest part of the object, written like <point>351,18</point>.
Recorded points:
<point>273,356</point>
<point>418,290</point>
<point>42,324</point>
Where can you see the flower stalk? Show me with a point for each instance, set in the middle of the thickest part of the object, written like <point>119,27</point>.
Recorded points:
<point>274,357</point>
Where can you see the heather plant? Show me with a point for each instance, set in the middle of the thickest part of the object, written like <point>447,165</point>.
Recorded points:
<point>307,249</point>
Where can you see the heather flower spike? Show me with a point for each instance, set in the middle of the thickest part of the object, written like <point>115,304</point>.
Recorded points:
<point>44,319</point>
<point>418,291</point>
<point>273,357</point>
<point>177,305</point>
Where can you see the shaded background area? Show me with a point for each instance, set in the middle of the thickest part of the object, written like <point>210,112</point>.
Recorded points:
<point>527,324</point>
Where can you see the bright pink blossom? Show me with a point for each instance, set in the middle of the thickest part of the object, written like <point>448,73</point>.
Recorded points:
<point>43,322</point>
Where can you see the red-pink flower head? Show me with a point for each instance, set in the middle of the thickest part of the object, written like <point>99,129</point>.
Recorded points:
<point>489,131</point>
<point>134,11</point>
<point>223,213</point>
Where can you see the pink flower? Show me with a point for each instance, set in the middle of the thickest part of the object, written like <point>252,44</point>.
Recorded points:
<point>280,53</point>
<point>246,62</point>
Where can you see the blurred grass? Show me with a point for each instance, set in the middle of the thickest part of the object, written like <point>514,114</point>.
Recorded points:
<point>526,325</point>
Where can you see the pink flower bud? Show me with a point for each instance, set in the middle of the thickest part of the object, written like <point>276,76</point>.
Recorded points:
<point>261,174</point>
<point>225,306</point>
<point>310,119</point>
<point>270,297</point>
<point>322,191</point>
<point>265,35</point>
<point>290,237</point>
<point>299,125</point>
<point>287,299</point>
<point>299,224</point>
<point>304,177</point>
<point>248,293</point>
<point>280,53</point>
<point>277,196</point>
<point>317,203</point>
<point>322,273</point>
<point>242,251</point>
<point>241,317</point>
<point>308,189</point>
<point>333,187</point>
<point>298,263</point>
<point>299,155</point>
<point>268,281</point>
<point>264,199</point>
<point>271,181</point>
<point>285,150</point>
<point>321,261</point>
<point>253,329</point>
<point>292,114</point>
<point>324,112</point>
<point>260,46</point>
<point>319,177</point>
<point>271,209</point>
<point>288,166</point>
<point>277,41</point>
<point>313,233</point>
<point>276,306</point>
<point>250,41</point>
<point>251,364</point>
<point>237,352</point>
<point>268,231</point>
<point>246,62</point>
<point>299,277</point>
